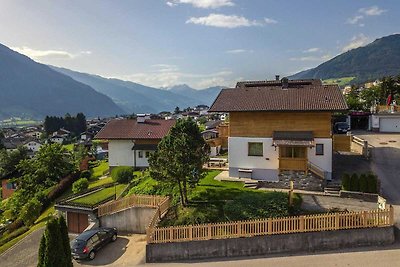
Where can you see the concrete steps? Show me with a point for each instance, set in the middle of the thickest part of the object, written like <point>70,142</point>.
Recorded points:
<point>332,189</point>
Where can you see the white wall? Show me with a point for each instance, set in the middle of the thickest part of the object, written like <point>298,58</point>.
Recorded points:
<point>120,153</point>
<point>238,158</point>
<point>324,161</point>
<point>141,162</point>
<point>238,150</point>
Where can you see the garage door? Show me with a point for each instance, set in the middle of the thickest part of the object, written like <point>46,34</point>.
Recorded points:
<point>77,222</point>
<point>389,125</point>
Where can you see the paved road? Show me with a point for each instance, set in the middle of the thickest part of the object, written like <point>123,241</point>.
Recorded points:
<point>24,253</point>
<point>386,163</point>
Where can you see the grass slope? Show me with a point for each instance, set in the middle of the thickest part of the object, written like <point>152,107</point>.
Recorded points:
<point>339,81</point>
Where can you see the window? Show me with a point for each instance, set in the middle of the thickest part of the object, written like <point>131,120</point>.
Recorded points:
<point>319,149</point>
<point>292,152</point>
<point>255,149</point>
<point>148,154</point>
<point>140,154</point>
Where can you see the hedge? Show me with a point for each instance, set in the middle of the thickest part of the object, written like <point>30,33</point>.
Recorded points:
<point>346,182</point>
<point>354,182</point>
<point>122,174</point>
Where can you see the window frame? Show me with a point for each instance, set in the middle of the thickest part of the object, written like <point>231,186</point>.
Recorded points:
<point>317,153</point>
<point>255,155</point>
<point>140,154</point>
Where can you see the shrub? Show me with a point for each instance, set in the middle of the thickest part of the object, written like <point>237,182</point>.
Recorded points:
<point>346,182</point>
<point>85,174</point>
<point>30,211</point>
<point>80,185</point>
<point>122,174</point>
<point>354,182</point>
<point>65,240</point>
<point>15,225</point>
<point>363,183</point>
<point>63,185</point>
<point>372,183</point>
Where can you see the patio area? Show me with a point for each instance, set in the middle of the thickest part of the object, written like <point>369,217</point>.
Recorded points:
<point>301,181</point>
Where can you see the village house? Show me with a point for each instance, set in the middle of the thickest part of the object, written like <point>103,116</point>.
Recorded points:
<point>280,125</point>
<point>131,141</point>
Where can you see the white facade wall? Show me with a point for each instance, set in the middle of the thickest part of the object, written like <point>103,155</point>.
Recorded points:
<point>322,161</point>
<point>120,153</point>
<point>238,150</point>
<point>266,167</point>
<point>34,146</point>
<point>142,162</point>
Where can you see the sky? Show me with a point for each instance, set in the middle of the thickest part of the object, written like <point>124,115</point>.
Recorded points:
<point>202,43</point>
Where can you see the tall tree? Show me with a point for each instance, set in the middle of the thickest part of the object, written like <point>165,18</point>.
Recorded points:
<point>180,156</point>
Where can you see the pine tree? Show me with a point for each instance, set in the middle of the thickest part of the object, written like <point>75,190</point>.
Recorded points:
<point>65,240</point>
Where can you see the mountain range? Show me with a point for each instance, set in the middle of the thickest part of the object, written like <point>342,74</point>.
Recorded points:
<point>30,89</point>
<point>33,90</point>
<point>137,98</point>
<point>373,61</point>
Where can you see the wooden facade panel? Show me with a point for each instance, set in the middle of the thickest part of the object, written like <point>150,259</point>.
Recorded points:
<point>263,124</point>
<point>341,142</point>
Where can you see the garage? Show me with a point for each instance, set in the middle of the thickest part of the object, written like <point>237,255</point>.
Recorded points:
<point>389,124</point>
<point>77,222</point>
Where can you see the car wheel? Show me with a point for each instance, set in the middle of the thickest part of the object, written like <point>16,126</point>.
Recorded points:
<point>114,237</point>
<point>92,254</point>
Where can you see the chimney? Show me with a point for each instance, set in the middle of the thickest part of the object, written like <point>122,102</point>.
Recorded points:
<point>285,83</point>
<point>141,118</point>
<point>276,77</point>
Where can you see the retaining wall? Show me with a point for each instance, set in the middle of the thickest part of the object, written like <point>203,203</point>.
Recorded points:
<point>263,245</point>
<point>131,220</point>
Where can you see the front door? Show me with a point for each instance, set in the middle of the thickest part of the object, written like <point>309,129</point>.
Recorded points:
<point>292,158</point>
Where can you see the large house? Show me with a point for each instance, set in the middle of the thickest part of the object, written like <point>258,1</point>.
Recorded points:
<point>280,125</point>
<point>130,141</point>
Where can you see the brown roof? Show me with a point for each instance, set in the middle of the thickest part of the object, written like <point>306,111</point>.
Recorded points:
<point>131,129</point>
<point>309,97</point>
<point>291,83</point>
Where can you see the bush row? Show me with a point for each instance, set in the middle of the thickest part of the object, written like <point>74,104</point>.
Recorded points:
<point>366,183</point>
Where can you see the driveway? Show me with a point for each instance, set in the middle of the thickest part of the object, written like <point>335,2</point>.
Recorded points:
<point>128,250</point>
<point>386,163</point>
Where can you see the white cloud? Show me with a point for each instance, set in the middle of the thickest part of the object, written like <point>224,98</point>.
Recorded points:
<point>312,58</point>
<point>171,4</point>
<point>165,75</point>
<point>223,21</point>
<point>363,13</point>
<point>312,50</point>
<point>270,21</point>
<point>356,41</point>
<point>372,11</point>
<point>54,54</point>
<point>238,51</point>
<point>355,19</point>
<point>202,3</point>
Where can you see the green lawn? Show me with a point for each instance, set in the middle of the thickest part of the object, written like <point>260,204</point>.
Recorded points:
<point>214,201</point>
<point>99,170</point>
<point>340,81</point>
<point>101,195</point>
<point>99,182</point>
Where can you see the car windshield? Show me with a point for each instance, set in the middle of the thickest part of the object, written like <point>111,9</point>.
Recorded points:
<point>342,125</point>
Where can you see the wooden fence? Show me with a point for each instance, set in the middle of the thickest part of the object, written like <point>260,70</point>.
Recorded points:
<point>272,226</point>
<point>131,201</point>
<point>342,142</point>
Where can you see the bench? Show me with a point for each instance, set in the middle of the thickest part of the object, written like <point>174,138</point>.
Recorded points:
<point>245,173</point>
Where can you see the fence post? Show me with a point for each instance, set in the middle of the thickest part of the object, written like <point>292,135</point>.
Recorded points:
<point>209,231</point>
<point>191,232</point>
<point>171,234</point>
<point>337,221</point>
<point>270,226</point>
<point>302,223</point>
<point>364,215</point>
<point>391,215</point>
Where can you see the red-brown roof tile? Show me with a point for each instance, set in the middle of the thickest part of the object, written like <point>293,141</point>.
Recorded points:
<point>275,98</point>
<point>131,129</point>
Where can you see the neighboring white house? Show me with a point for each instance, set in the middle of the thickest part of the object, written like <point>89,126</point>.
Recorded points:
<point>57,139</point>
<point>277,126</point>
<point>130,141</point>
<point>34,146</point>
